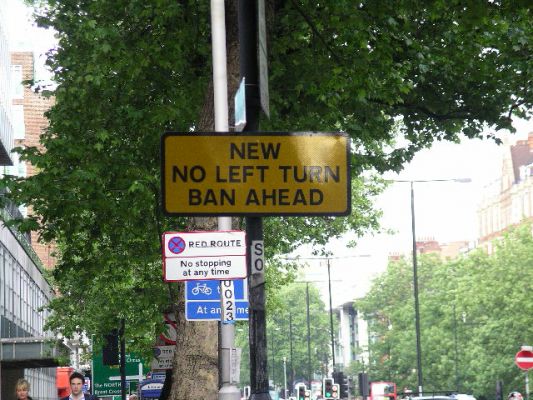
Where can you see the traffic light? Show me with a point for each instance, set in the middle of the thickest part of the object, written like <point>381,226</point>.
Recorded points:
<point>307,395</point>
<point>110,349</point>
<point>343,385</point>
<point>363,384</point>
<point>328,388</point>
<point>335,391</point>
<point>301,392</point>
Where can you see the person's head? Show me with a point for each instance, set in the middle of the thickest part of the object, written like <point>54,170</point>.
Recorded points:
<point>22,387</point>
<point>133,397</point>
<point>76,383</point>
<point>514,396</point>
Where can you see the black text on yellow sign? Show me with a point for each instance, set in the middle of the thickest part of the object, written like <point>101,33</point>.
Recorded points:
<point>255,174</point>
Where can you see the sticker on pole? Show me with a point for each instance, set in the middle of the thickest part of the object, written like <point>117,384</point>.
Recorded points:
<point>228,302</point>
<point>219,255</point>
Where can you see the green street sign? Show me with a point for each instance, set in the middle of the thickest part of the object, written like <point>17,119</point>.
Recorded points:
<point>106,378</point>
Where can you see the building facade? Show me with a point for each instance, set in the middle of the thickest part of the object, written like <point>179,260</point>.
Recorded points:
<point>26,349</point>
<point>6,126</point>
<point>352,337</point>
<point>508,200</point>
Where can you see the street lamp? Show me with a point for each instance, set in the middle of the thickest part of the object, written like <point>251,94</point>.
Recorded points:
<point>273,353</point>
<point>285,377</point>
<point>415,269</point>
<point>330,301</point>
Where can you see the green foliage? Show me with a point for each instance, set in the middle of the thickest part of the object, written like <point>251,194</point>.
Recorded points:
<point>286,326</point>
<point>126,71</point>
<point>439,67</point>
<point>474,316</point>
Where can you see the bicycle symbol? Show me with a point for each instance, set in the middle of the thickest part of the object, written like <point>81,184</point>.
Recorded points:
<point>201,288</point>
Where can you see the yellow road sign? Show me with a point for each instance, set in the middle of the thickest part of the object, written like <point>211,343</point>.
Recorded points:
<point>255,173</point>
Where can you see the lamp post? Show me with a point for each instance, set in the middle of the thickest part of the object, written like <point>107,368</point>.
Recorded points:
<point>332,334</point>
<point>308,335</point>
<point>284,377</point>
<point>415,271</point>
<point>273,353</point>
<point>331,319</point>
<point>290,351</point>
<point>308,319</point>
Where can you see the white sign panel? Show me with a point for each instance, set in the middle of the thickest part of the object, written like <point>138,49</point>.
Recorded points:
<point>163,357</point>
<point>229,306</point>
<point>257,263</point>
<point>235,361</point>
<point>219,255</point>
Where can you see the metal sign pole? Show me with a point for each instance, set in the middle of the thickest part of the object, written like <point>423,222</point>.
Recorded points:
<point>527,384</point>
<point>248,27</point>
<point>228,390</point>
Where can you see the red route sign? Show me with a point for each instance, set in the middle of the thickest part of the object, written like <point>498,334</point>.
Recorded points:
<point>524,359</point>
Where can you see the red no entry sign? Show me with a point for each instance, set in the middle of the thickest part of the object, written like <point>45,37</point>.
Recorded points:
<point>524,359</point>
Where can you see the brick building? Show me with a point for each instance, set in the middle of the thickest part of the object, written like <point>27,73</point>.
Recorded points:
<point>30,108</point>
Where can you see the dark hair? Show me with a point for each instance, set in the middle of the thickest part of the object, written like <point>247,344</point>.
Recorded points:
<point>75,375</point>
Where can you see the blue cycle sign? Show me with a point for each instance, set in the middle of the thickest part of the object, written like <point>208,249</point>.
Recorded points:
<point>202,300</point>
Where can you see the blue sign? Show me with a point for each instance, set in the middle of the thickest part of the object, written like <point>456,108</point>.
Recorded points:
<point>159,376</point>
<point>210,310</point>
<point>202,300</point>
<point>151,389</point>
<point>240,107</point>
<point>210,290</point>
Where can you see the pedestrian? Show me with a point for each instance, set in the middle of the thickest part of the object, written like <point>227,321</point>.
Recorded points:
<point>22,388</point>
<point>407,393</point>
<point>133,396</point>
<point>514,396</point>
<point>76,380</point>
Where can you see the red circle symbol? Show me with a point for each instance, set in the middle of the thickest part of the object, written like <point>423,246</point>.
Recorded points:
<point>170,334</point>
<point>176,245</point>
<point>524,359</point>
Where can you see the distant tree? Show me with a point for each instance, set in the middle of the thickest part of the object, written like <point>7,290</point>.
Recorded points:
<point>474,316</point>
<point>290,310</point>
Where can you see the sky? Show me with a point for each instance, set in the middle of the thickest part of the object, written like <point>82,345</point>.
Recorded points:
<point>26,36</point>
<point>444,211</point>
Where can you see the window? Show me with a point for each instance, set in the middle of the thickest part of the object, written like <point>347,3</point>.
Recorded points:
<point>19,129</point>
<point>16,77</point>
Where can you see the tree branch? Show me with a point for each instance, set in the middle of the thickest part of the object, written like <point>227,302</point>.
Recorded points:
<point>315,31</point>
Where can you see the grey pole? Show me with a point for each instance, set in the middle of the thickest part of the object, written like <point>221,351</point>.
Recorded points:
<point>415,271</point>
<point>527,384</point>
<point>415,289</point>
<point>308,336</point>
<point>284,377</point>
<point>290,351</point>
<point>456,350</point>
<point>331,319</point>
<point>122,359</point>
<point>249,68</point>
<point>228,389</point>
